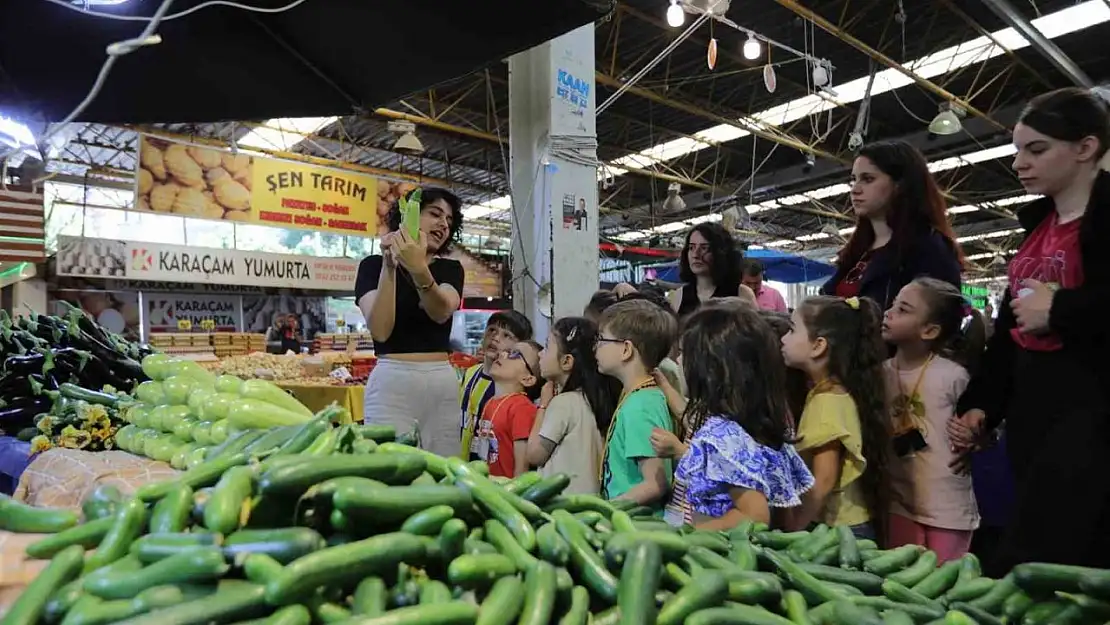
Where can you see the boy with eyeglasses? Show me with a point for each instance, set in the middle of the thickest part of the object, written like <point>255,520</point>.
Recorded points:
<point>504,329</point>
<point>507,418</point>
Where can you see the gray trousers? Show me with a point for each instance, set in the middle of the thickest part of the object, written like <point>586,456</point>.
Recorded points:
<point>416,395</point>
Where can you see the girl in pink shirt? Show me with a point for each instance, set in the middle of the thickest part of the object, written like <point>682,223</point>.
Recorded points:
<point>932,504</point>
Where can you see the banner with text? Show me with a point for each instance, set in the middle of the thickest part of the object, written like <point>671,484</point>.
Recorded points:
<point>213,183</point>
<point>132,260</point>
<point>166,311</point>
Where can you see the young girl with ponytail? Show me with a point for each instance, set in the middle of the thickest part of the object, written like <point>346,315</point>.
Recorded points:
<point>933,503</point>
<point>843,432</point>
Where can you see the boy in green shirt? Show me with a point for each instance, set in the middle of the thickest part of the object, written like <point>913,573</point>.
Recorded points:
<point>635,336</point>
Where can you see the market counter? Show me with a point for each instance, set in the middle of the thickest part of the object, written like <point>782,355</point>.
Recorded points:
<point>318,397</point>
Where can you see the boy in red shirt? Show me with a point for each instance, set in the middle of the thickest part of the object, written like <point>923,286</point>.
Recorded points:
<point>507,418</point>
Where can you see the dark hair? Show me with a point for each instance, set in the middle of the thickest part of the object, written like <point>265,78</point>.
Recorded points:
<point>856,353</point>
<point>650,294</point>
<point>533,391</point>
<point>725,266</point>
<point>753,267</point>
<point>649,328</point>
<point>797,386</point>
<point>917,205</point>
<point>427,196</point>
<point>511,321</point>
<point>1070,114</point>
<point>734,369</point>
<point>576,336</point>
<point>599,301</point>
<point>963,334</point>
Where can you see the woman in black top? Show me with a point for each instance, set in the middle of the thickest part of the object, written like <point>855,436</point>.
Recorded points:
<point>902,229</point>
<point>1045,371</point>
<point>409,295</point>
<point>709,267</point>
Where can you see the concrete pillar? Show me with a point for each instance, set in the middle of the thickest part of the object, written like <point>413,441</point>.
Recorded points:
<point>553,141</point>
<point>29,297</point>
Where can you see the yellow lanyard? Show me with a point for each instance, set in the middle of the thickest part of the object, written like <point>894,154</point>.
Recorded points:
<point>648,383</point>
<point>908,398</point>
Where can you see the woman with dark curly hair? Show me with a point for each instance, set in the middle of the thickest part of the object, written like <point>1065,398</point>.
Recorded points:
<point>843,432</point>
<point>902,229</point>
<point>709,267</point>
<point>408,294</point>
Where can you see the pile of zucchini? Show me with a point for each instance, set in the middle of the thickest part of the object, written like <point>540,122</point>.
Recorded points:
<point>184,411</point>
<point>327,524</point>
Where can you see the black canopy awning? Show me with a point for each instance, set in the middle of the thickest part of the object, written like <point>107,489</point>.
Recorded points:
<point>322,57</point>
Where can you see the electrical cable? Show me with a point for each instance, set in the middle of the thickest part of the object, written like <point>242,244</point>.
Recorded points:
<point>120,48</point>
<point>179,14</point>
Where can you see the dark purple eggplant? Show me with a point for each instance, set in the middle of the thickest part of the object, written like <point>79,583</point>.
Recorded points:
<point>21,413</point>
<point>24,365</point>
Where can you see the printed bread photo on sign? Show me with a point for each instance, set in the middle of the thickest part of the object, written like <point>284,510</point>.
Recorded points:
<point>192,181</point>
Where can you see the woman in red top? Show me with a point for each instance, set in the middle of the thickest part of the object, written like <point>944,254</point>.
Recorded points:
<point>902,229</point>
<point>1045,371</point>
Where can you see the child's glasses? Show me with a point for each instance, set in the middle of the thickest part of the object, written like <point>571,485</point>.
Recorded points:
<point>516,354</point>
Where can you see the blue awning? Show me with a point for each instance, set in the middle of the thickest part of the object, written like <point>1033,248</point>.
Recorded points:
<point>780,267</point>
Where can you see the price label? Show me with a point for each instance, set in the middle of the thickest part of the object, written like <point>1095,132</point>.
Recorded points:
<point>208,325</point>
<point>339,323</point>
<point>184,324</point>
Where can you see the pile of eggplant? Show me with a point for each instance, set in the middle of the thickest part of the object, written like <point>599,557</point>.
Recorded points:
<point>41,353</point>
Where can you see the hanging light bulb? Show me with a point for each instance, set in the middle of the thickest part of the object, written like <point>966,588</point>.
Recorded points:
<point>752,49</point>
<point>675,15</point>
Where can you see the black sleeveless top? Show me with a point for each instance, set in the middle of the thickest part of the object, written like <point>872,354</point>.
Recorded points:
<point>690,301</point>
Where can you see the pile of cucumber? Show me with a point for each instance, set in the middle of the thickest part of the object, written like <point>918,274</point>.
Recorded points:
<point>372,531</point>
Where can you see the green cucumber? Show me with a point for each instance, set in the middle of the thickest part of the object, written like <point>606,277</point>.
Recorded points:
<point>920,613</point>
<point>196,564</point>
<point>778,540</point>
<point>126,527</point>
<point>848,552</point>
<point>893,560</point>
<point>969,590</point>
<point>552,547</point>
<point>495,502</point>
<point>434,591</point>
<point>377,432</point>
<point>587,564</point>
<point>435,464</point>
<point>343,563</point>
<point>452,539</point>
<point>371,597</point>
<point>224,510</point>
<point>763,589</point>
<point>62,601</point>
<point>795,609</point>
<point>289,615</point>
<point>638,582</point>
<point>897,592</point>
<point>523,482</point>
<point>610,616</point>
<point>969,568</point>
<point>233,599</point>
<point>896,617</point>
<point>993,600</point>
<point>539,595</point>
<point>428,521</point>
<point>101,502</point>
<point>673,546</point>
<point>712,541</point>
<point>479,570</point>
<point>259,567</point>
<point>815,591</point>
<point>284,545</point>
<point>296,478</point>
<point>910,576</point>
<point>736,615</point>
<point>939,581</point>
<point>503,603</point>
<point>578,613</point>
<point>1096,584</point>
<point>830,538</point>
<point>499,536</point>
<point>30,604</point>
<point>235,443</point>
<point>848,612</point>
<point>870,584</point>
<point>203,475</point>
<point>18,517</point>
<point>475,546</point>
<point>707,589</point>
<point>395,504</point>
<point>453,613</point>
<point>1015,606</point>
<point>1040,578</point>
<point>982,617</point>
<point>1090,606</point>
<point>87,535</point>
<point>173,511</point>
<point>1046,612</point>
<point>154,547</point>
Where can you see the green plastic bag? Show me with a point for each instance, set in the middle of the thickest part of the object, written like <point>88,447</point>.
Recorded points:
<point>410,214</point>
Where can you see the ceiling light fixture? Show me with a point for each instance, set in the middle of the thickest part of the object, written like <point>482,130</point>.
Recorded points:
<point>676,17</point>
<point>752,49</point>
<point>407,141</point>
<point>947,121</point>
<point>674,202</point>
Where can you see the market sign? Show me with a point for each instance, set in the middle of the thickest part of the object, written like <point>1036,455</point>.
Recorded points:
<point>132,260</point>
<point>22,225</point>
<point>211,183</point>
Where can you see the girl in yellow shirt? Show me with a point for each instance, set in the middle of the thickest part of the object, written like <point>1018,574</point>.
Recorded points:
<point>843,433</point>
